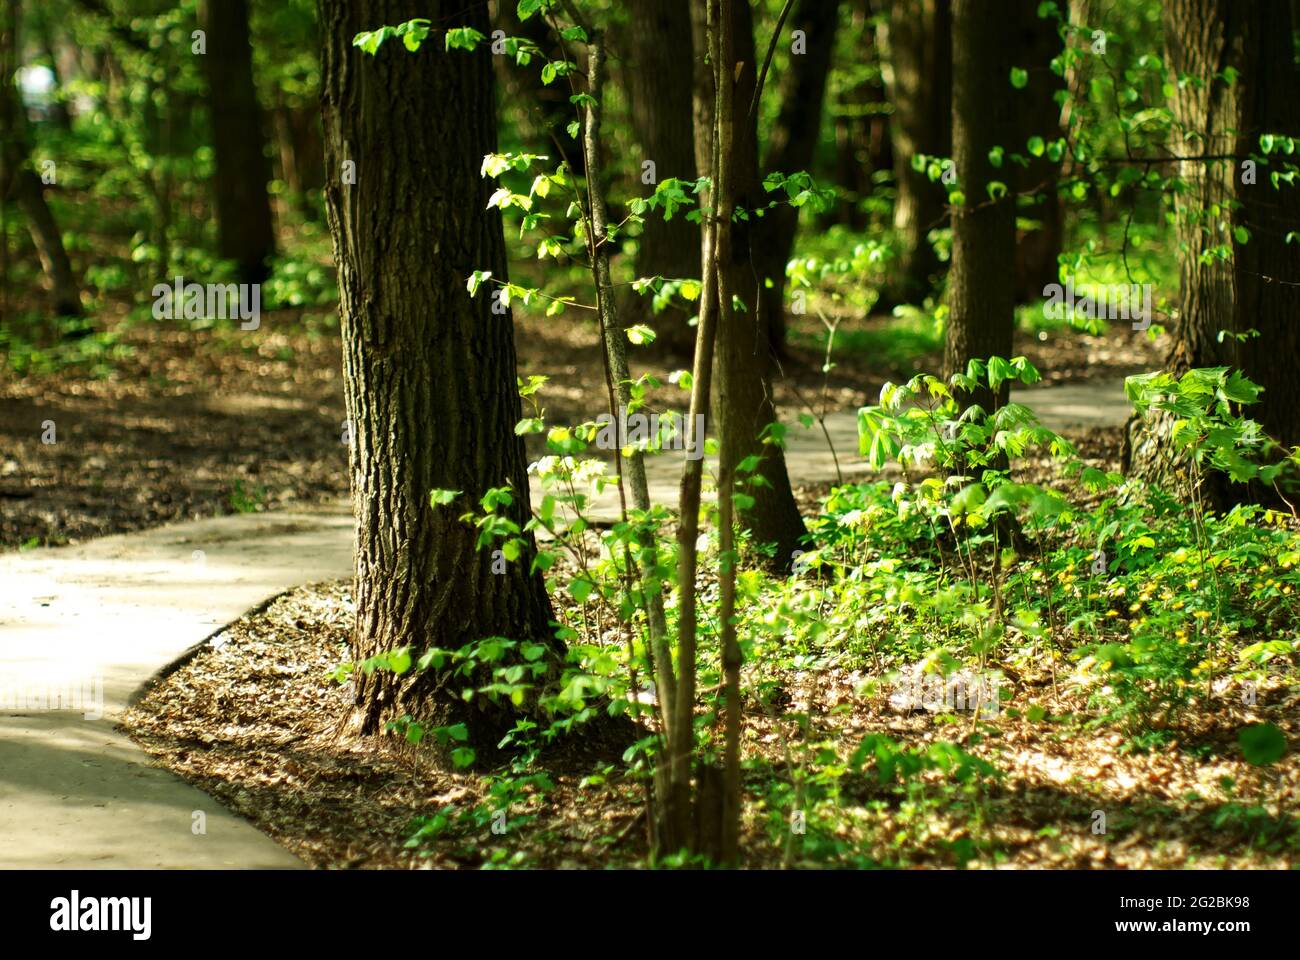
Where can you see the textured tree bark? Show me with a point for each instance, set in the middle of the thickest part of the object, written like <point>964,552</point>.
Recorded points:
<point>790,148</point>
<point>244,226</point>
<point>430,373</point>
<point>1260,288</point>
<point>745,365</point>
<point>916,47</point>
<point>20,185</point>
<point>660,93</point>
<point>981,296</point>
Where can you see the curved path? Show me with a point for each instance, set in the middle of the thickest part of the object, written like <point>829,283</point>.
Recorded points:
<point>83,629</point>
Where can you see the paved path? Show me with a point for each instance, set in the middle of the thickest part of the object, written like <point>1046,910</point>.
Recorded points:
<point>1100,403</point>
<point>96,622</point>
<point>104,617</point>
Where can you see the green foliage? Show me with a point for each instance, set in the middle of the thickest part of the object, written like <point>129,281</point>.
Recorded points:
<point>1262,743</point>
<point>247,499</point>
<point>1207,432</point>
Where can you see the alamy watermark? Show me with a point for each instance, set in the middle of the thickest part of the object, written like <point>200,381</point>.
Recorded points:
<point>75,913</point>
<point>664,431</point>
<point>84,695</point>
<point>959,692</point>
<point>213,301</point>
<point>1120,301</point>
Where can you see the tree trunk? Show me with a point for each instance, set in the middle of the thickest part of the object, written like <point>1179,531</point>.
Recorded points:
<point>790,148</point>
<point>916,46</point>
<point>1039,114</point>
<point>745,366</point>
<point>245,230</point>
<point>302,160</point>
<point>632,474</point>
<point>1260,288</point>
<point>430,374</point>
<point>20,184</point>
<point>862,142</point>
<point>59,103</point>
<point>981,295</point>
<point>544,110</point>
<point>660,93</point>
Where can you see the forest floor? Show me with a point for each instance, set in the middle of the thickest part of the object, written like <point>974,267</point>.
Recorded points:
<point>184,427</point>
<point>254,722</point>
<point>186,423</point>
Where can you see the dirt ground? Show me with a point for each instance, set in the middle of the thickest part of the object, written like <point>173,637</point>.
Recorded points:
<point>195,424</point>
<point>253,722</point>
<point>202,423</point>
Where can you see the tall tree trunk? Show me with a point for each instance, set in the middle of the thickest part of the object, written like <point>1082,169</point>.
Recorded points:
<point>20,185</point>
<point>59,103</point>
<point>544,110</point>
<point>632,474</point>
<point>1260,288</point>
<point>243,169</point>
<point>745,365</point>
<point>981,295</point>
<point>1039,114</point>
<point>916,42</point>
<point>302,159</point>
<point>660,94</point>
<point>430,374</point>
<point>790,148</point>
<point>726,846</point>
<point>862,142</point>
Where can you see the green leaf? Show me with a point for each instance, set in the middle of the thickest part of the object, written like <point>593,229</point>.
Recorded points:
<point>399,661</point>
<point>463,38</point>
<point>370,40</point>
<point>640,334</point>
<point>970,499</point>
<point>1262,743</point>
<point>414,33</point>
<point>1019,77</point>
<point>439,498</point>
<point>527,8</point>
<point>999,370</point>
